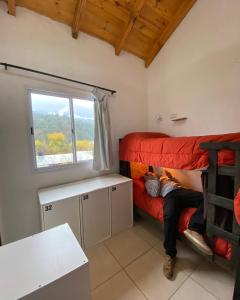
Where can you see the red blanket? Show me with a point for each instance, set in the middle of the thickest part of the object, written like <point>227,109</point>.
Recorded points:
<point>157,149</point>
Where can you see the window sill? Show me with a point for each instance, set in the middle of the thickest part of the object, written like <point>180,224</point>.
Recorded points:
<point>61,167</point>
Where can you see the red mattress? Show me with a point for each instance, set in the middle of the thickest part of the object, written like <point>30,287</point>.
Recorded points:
<point>157,149</point>
<point>154,207</point>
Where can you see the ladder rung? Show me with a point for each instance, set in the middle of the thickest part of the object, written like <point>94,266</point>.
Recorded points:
<point>220,145</point>
<point>227,170</point>
<point>219,232</point>
<point>220,201</point>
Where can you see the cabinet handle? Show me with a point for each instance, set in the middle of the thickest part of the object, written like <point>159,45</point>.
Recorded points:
<point>85,197</point>
<point>114,188</point>
<point>48,207</point>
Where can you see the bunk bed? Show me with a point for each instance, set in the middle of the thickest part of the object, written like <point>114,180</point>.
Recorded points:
<point>216,156</point>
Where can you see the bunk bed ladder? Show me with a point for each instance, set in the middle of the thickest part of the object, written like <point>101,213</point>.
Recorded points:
<point>235,225</point>
<point>214,200</point>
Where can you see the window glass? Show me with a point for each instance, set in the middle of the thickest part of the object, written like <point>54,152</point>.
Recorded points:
<point>52,129</point>
<point>84,128</point>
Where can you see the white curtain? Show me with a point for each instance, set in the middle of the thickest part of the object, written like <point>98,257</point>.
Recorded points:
<point>102,159</point>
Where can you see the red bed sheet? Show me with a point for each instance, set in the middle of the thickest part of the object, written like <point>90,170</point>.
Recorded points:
<point>154,207</point>
<point>157,149</point>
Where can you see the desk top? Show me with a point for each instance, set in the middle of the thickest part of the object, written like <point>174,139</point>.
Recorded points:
<point>38,260</point>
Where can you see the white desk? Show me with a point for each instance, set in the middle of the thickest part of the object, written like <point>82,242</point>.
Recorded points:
<point>49,265</point>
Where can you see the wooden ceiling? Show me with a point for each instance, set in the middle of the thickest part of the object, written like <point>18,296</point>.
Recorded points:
<point>140,27</point>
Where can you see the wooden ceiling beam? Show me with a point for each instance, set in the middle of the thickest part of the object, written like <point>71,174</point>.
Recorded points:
<point>12,7</point>
<point>161,40</point>
<point>77,18</point>
<point>132,19</point>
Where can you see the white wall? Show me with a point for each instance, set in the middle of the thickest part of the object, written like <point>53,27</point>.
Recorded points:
<point>1,213</point>
<point>35,41</point>
<point>197,73</point>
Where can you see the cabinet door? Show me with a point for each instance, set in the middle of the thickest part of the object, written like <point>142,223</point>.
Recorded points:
<point>95,217</point>
<point>64,211</point>
<point>122,207</point>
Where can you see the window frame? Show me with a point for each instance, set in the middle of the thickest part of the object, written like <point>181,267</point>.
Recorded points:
<point>82,95</point>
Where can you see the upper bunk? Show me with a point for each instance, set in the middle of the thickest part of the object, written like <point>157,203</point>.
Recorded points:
<point>158,149</point>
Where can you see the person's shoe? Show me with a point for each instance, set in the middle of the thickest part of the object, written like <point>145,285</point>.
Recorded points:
<point>198,240</point>
<point>168,266</point>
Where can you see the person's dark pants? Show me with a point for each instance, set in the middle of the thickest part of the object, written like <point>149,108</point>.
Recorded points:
<point>174,203</point>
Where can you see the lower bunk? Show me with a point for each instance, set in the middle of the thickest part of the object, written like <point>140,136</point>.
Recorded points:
<point>218,155</point>
<point>149,207</point>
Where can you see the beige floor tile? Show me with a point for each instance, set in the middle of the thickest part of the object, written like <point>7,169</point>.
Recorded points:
<point>147,273</point>
<point>149,232</point>
<point>102,264</point>
<point>119,287</point>
<point>160,249</point>
<point>187,259</point>
<point>127,246</point>
<point>191,290</point>
<point>215,280</point>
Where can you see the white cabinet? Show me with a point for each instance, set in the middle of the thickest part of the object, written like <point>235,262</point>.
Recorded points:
<point>95,217</point>
<point>121,207</point>
<point>94,208</point>
<point>49,265</point>
<point>60,212</point>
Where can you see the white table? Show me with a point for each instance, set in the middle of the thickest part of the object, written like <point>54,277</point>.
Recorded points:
<point>49,265</point>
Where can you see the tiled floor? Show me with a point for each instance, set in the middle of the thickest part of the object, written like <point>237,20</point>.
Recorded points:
<point>129,267</point>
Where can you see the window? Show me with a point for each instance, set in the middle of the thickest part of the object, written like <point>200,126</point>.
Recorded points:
<point>62,129</point>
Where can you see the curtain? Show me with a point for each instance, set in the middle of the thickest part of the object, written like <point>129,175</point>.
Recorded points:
<point>102,159</point>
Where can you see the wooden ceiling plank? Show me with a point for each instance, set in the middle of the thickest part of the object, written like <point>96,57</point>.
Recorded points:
<point>132,19</point>
<point>154,27</point>
<point>162,14</point>
<point>58,10</point>
<point>77,18</point>
<point>104,15</point>
<point>161,40</point>
<point>146,30</point>
<point>97,27</point>
<point>110,7</point>
<point>12,7</point>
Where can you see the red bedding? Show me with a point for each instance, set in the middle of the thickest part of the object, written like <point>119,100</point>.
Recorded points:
<point>154,207</point>
<point>157,149</point>
<point>237,206</point>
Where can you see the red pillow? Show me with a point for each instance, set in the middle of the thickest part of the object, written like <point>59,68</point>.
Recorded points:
<point>237,206</point>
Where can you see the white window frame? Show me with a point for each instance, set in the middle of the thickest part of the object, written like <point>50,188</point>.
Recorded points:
<point>86,96</point>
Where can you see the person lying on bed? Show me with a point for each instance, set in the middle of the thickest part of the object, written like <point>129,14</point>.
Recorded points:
<point>176,198</point>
